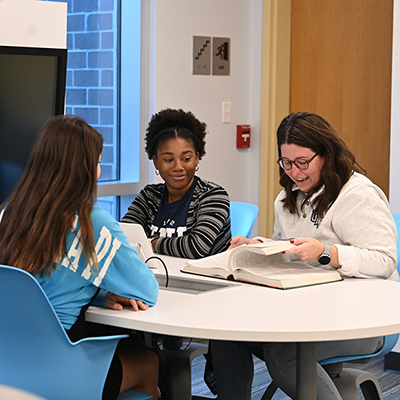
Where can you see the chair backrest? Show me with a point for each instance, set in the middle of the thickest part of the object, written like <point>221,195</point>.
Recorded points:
<point>389,342</point>
<point>243,216</point>
<point>396,218</point>
<point>36,355</point>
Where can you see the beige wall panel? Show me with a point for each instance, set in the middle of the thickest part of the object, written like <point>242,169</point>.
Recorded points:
<point>274,103</point>
<point>341,55</point>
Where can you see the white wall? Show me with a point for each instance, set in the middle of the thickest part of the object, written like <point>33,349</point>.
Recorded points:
<point>33,23</point>
<point>394,190</point>
<point>177,21</point>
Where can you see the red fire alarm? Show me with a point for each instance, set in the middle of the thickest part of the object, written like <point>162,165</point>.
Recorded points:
<point>243,136</point>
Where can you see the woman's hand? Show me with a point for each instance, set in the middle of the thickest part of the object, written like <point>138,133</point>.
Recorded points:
<point>307,249</point>
<point>239,240</point>
<point>116,302</point>
<point>154,243</point>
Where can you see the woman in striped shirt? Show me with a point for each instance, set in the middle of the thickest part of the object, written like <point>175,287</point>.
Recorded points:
<point>185,216</point>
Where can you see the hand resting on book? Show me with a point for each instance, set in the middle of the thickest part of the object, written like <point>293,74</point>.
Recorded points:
<point>309,249</point>
<point>306,249</point>
<point>238,240</point>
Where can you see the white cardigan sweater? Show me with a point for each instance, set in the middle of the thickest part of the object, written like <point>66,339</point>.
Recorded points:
<point>359,223</point>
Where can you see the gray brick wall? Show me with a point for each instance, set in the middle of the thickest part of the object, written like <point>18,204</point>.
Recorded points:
<point>92,72</point>
<point>91,88</point>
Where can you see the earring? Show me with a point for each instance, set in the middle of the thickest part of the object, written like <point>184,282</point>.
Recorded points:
<point>197,167</point>
<point>157,172</point>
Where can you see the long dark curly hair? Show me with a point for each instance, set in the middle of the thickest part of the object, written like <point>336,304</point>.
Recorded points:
<point>172,123</point>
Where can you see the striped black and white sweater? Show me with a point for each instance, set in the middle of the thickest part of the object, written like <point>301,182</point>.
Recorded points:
<point>208,224</point>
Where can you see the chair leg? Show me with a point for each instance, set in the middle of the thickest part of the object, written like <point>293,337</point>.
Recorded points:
<point>351,379</point>
<point>269,393</point>
<point>371,391</point>
<point>347,383</point>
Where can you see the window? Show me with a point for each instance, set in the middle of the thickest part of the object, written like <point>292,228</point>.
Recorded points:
<point>93,73</point>
<point>104,87</point>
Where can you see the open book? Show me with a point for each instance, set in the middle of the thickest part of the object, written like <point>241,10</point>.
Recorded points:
<point>262,264</point>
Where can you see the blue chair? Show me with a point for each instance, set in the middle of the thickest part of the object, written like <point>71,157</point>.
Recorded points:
<point>243,216</point>
<point>392,359</point>
<point>348,380</point>
<point>36,354</point>
<point>396,218</point>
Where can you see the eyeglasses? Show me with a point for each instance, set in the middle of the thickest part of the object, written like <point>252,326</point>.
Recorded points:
<point>300,163</point>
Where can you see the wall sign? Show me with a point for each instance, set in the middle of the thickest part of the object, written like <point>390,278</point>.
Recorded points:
<point>221,56</point>
<point>201,55</point>
<point>221,53</point>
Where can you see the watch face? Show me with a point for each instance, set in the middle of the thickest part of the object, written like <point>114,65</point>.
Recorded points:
<point>324,259</point>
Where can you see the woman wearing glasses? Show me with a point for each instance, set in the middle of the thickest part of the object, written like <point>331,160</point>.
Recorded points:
<point>338,219</point>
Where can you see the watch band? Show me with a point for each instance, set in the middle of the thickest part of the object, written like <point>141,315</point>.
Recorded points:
<point>325,257</point>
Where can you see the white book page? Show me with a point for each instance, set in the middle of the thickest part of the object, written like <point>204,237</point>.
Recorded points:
<point>216,261</point>
<point>249,259</point>
<point>283,270</point>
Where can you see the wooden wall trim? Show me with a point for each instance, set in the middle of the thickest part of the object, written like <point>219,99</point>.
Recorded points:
<point>275,92</point>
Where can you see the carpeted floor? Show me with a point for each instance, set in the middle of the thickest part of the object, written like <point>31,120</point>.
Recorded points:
<point>390,382</point>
